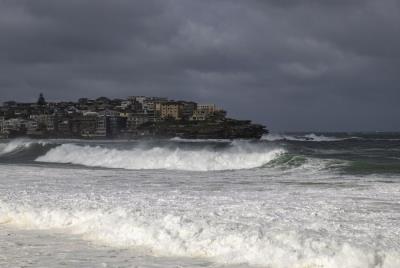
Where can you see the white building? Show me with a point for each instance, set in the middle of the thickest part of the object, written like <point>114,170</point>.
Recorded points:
<point>207,107</point>
<point>135,120</point>
<point>90,113</point>
<point>1,124</point>
<point>125,104</point>
<point>109,113</point>
<point>14,124</point>
<point>101,126</point>
<point>199,115</point>
<point>43,120</point>
<point>31,126</point>
<point>203,111</point>
<point>139,99</point>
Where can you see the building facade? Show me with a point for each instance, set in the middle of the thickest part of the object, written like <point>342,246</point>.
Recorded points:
<point>45,121</point>
<point>135,120</point>
<point>172,110</point>
<point>2,125</point>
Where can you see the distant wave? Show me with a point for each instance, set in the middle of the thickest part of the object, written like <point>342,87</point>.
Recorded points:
<point>307,137</point>
<point>178,139</point>
<point>240,155</point>
<point>227,242</point>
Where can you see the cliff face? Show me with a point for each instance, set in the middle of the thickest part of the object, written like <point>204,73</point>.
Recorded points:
<point>221,129</point>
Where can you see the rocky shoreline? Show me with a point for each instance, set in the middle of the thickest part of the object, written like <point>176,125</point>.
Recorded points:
<point>224,129</point>
<point>221,129</point>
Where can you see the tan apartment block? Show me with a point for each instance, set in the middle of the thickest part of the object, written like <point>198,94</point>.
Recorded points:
<point>171,109</point>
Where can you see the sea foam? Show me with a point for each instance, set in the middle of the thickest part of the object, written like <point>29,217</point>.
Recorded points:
<point>308,137</point>
<point>238,156</point>
<point>183,236</point>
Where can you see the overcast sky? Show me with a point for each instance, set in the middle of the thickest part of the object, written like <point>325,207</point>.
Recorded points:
<point>292,65</point>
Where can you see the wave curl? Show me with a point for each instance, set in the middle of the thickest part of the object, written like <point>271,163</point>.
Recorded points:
<point>18,145</point>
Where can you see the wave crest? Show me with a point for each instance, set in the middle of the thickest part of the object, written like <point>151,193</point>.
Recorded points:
<point>18,145</point>
<point>238,156</point>
<point>308,137</point>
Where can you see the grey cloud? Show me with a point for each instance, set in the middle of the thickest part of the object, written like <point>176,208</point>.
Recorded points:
<point>294,65</point>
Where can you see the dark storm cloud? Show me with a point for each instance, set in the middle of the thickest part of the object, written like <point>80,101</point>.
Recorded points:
<point>295,65</point>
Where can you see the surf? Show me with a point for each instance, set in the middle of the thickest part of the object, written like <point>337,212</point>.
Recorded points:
<point>311,137</point>
<point>237,156</point>
<point>223,241</point>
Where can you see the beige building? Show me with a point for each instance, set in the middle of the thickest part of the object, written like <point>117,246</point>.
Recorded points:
<point>149,104</point>
<point>125,114</point>
<point>171,109</point>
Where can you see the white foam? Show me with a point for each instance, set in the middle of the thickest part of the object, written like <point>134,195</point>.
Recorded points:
<point>315,137</point>
<point>178,139</point>
<point>239,156</point>
<point>308,137</point>
<point>277,137</point>
<point>183,236</point>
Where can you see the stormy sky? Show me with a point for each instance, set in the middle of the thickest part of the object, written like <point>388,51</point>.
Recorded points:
<point>293,65</point>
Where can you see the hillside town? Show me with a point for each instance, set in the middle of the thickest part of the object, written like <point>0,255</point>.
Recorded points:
<point>133,117</point>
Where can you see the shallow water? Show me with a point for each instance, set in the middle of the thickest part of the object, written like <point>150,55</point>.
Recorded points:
<point>306,201</point>
<point>22,248</point>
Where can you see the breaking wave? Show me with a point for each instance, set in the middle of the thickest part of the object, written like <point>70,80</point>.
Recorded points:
<point>184,236</point>
<point>237,156</point>
<point>18,145</point>
<point>178,139</point>
<point>308,137</point>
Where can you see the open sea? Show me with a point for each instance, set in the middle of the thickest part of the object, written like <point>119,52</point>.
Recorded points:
<point>287,200</point>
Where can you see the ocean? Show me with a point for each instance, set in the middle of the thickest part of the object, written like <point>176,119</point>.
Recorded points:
<point>287,200</point>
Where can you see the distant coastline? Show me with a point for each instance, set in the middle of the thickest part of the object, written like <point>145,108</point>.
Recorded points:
<point>131,118</point>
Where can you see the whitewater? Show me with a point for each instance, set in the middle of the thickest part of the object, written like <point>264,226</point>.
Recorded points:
<point>304,200</point>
